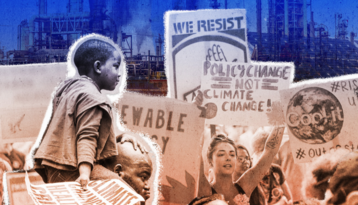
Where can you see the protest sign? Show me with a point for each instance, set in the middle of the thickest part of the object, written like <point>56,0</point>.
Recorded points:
<point>99,192</point>
<point>194,36</point>
<point>321,116</point>
<point>244,93</point>
<point>176,127</point>
<point>25,93</point>
<point>16,187</point>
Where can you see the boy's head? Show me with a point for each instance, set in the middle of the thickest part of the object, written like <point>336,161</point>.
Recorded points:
<point>100,61</point>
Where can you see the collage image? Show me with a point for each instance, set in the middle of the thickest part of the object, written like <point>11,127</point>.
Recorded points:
<point>183,102</point>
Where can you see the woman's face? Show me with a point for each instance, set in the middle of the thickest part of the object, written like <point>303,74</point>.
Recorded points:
<point>224,159</point>
<point>243,161</point>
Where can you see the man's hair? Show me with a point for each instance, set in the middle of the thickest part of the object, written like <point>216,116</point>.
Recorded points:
<point>89,52</point>
<point>112,160</point>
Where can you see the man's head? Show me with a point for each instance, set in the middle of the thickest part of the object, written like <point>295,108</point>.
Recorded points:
<point>133,166</point>
<point>100,61</point>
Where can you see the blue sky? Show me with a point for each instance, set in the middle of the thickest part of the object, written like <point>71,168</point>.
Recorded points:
<point>144,18</point>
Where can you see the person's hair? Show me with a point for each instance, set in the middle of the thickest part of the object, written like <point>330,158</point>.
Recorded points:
<point>345,180</point>
<point>320,172</point>
<point>89,52</point>
<point>214,142</point>
<point>112,160</point>
<point>206,199</point>
<point>258,141</point>
<point>239,146</point>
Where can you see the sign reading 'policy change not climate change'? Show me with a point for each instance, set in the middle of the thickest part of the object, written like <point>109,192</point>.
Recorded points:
<point>244,93</point>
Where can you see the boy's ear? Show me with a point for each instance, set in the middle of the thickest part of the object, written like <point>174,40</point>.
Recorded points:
<point>97,67</point>
<point>118,169</point>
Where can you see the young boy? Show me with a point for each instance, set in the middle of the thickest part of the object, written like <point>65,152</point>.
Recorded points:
<point>80,131</point>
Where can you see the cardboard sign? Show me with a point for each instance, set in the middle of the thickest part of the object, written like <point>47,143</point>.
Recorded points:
<point>176,127</point>
<point>16,187</point>
<point>244,93</point>
<point>321,116</point>
<point>25,93</point>
<point>194,36</point>
<point>99,192</point>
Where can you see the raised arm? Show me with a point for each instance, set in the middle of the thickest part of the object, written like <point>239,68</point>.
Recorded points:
<point>250,179</point>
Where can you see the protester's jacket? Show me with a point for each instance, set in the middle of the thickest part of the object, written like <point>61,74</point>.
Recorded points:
<point>59,143</point>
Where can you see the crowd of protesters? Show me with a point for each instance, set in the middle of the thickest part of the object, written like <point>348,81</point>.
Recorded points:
<point>330,179</point>
<point>242,165</point>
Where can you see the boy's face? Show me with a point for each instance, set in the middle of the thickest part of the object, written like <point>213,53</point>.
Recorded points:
<point>110,71</point>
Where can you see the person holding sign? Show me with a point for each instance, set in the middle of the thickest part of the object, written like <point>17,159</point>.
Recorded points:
<point>133,166</point>
<point>80,132</point>
<point>222,154</point>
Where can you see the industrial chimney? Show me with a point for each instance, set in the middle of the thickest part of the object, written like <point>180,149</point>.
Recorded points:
<point>42,7</point>
<point>75,6</point>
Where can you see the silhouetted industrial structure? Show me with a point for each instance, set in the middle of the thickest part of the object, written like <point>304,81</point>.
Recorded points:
<point>290,37</point>
<point>46,38</point>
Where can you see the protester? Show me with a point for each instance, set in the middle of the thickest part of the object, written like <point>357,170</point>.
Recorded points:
<point>13,157</point>
<point>344,182</point>
<point>243,163</point>
<point>293,172</point>
<point>317,177</point>
<point>274,184</point>
<point>215,199</point>
<point>133,166</point>
<point>80,131</point>
<point>222,157</point>
<point>3,168</point>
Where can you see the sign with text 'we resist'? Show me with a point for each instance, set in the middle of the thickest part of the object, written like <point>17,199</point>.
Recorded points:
<point>194,36</point>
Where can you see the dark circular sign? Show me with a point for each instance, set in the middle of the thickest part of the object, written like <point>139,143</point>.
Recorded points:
<point>314,115</point>
<point>211,110</point>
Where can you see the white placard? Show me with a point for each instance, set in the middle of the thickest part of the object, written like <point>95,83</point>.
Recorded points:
<point>244,93</point>
<point>321,116</point>
<point>194,36</point>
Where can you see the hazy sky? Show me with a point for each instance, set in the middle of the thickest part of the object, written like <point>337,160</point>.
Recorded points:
<point>146,16</point>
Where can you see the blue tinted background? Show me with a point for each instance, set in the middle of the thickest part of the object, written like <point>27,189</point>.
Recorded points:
<point>144,18</point>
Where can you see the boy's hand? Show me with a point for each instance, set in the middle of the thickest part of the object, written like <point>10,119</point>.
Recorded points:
<point>198,100</point>
<point>130,138</point>
<point>85,172</point>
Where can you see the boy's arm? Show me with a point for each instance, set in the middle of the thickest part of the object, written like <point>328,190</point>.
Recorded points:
<point>87,125</point>
<point>85,171</point>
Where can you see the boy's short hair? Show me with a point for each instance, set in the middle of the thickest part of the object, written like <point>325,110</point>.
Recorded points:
<point>91,51</point>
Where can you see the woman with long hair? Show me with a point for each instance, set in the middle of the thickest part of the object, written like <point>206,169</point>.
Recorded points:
<point>222,156</point>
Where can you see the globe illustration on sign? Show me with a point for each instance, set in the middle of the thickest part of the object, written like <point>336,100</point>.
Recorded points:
<point>314,115</point>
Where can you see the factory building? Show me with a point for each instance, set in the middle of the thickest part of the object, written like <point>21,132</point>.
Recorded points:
<point>290,37</point>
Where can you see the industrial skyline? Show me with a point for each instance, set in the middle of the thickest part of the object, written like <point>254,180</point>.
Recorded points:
<point>144,19</point>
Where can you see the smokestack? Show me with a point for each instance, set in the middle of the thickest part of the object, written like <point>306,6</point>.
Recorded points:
<point>352,37</point>
<point>312,26</point>
<point>258,15</point>
<point>96,7</point>
<point>75,6</point>
<point>42,7</point>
